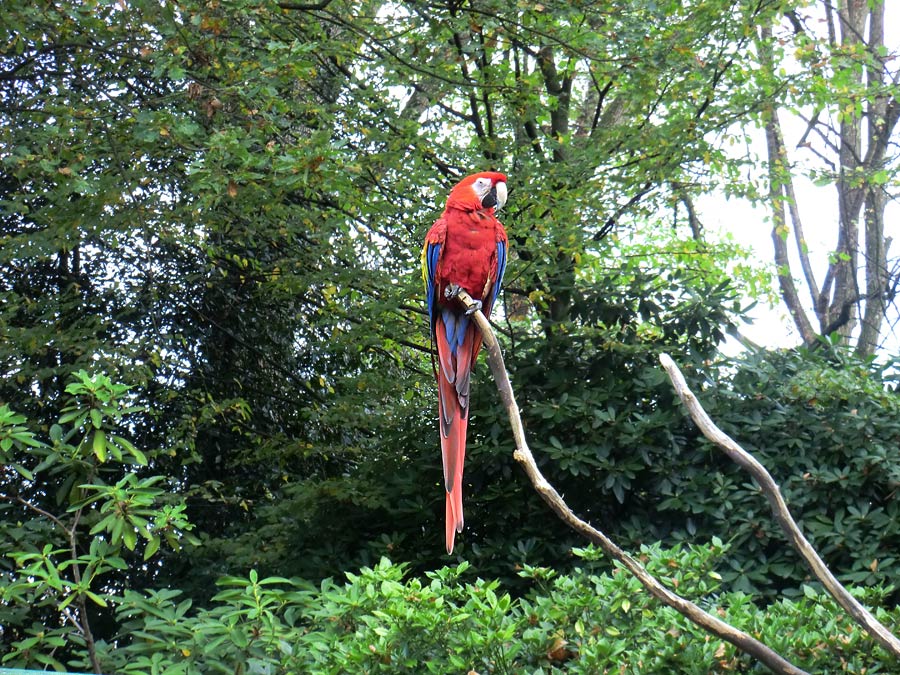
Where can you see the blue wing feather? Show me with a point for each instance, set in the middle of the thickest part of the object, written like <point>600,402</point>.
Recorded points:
<point>455,326</point>
<point>432,255</point>
<point>501,267</point>
<point>449,327</point>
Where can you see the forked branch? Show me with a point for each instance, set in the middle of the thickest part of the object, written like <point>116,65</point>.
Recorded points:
<point>763,478</point>
<point>523,456</point>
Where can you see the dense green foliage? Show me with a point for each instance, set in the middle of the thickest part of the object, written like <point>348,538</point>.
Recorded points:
<point>377,621</point>
<point>63,567</point>
<point>221,203</point>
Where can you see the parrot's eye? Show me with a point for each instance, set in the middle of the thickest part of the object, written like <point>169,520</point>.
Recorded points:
<point>482,186</point>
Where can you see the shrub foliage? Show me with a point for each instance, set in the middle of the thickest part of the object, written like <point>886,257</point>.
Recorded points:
<point>66,600</point>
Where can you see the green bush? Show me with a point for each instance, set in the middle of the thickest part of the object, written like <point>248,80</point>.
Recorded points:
<point>380,621</point>
<point>609,433</point>
<point>85,517</point>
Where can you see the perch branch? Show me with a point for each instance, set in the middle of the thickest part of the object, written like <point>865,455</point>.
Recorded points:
<point>779,508</point>
<point>523,456</point>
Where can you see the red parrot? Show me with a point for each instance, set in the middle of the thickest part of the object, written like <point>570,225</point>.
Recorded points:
<point>465,248</point>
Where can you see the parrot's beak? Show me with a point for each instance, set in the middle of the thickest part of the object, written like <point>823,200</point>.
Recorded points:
<point>496,197</point>
<point>500,190</point>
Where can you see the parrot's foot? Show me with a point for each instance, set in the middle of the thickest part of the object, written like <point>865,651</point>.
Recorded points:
<point>453,290</point>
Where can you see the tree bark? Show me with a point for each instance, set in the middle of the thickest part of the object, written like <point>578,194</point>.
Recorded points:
<point>778,175</point>
<point>880,128</point>
<point>876,273</point>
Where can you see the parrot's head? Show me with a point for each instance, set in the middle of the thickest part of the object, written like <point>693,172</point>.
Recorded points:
<point>483,190</point>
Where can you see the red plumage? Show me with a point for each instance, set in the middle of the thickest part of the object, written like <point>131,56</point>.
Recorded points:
<point>466,247</point>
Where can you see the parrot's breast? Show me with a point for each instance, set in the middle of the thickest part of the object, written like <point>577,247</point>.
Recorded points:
<point>470,253</point>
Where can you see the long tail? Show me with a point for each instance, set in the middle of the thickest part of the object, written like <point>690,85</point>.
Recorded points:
<point>455,337</point>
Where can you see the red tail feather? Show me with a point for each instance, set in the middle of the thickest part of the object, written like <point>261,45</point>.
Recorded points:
<point>453,451</point>
<point>453,410</point>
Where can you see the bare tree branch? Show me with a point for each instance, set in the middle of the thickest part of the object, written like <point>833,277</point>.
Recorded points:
<point>523,456</point>
<point>778,173</point>
<point>780,510</point>
<point>305,6</point>
<point>46,514</point>
<point>794,211</point>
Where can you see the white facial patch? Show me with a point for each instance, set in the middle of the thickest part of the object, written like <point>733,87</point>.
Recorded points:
<point>481,187</point>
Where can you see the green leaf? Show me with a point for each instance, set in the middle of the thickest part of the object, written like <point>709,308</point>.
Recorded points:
<point>95,598</point>
<point>56,433</point>
<point>99,445</point>
<point>880,177</point>
<point>22,471</point>
<point>129,538</point>
<point>152,547</point>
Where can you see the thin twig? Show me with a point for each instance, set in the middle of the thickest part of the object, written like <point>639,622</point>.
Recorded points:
<point>46,514</point>
<point>81,599</point>
<point>779,508</point>
<point>523,456</point>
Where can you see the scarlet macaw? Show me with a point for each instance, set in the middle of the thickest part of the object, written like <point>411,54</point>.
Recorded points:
<point>465,248</point>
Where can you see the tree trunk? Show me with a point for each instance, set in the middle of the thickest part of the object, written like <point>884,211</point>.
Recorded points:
<point>876,246</point>
<point>842,308</point>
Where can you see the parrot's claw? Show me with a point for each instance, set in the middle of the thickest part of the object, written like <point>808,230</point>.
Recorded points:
<point>453,290</point>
